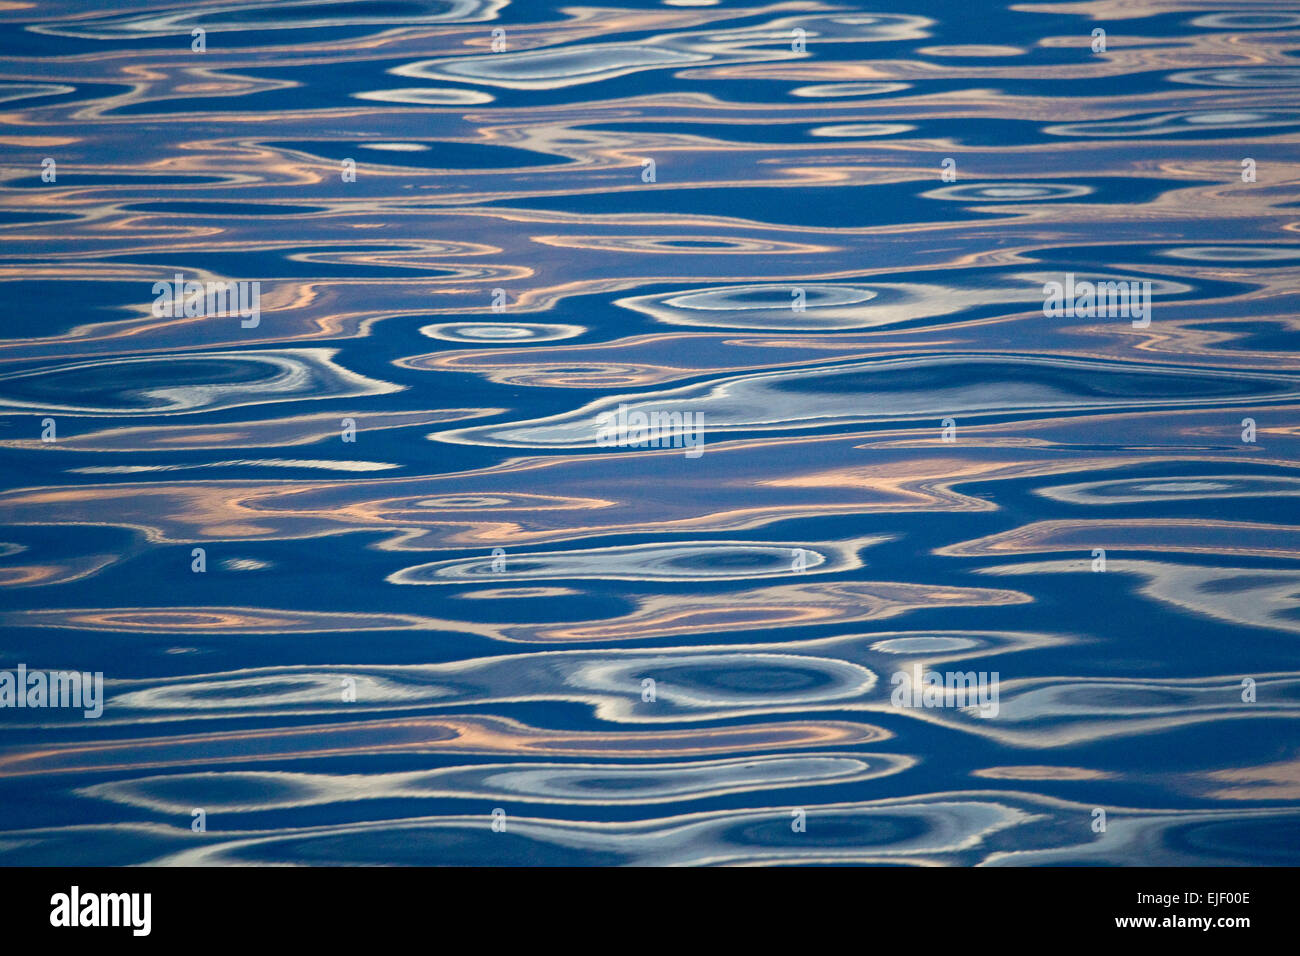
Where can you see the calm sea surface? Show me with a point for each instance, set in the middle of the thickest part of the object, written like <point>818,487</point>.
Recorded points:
<point>659,433</point>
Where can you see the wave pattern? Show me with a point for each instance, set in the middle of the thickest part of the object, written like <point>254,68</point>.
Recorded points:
<point>726,368</point>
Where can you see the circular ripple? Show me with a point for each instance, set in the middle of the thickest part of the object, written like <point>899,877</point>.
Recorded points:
<point>1248,21</point>
<point>1245,253</point>
<point>1264,77</point>
<point>924,645</point>
<point>430,96</point>
<point>742,298</point>
<point>492,333</point>
<point>713,681</point>
<point>825,90</point>
<point>188,382</point>
<point>396,147</point>
<point>470,502</point>
<point>1009,192</point>
<point>729,560</point>
<point>1189,488</point>
<point>1173,123</point>
<point>856,130</point>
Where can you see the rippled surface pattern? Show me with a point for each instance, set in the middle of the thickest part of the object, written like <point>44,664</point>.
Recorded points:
<point>366,577</point>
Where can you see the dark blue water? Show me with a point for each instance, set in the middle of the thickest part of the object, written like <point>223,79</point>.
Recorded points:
<point>630,409</point>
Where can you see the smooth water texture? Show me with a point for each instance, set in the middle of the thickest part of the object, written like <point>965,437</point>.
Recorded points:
<point>390,566</point>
